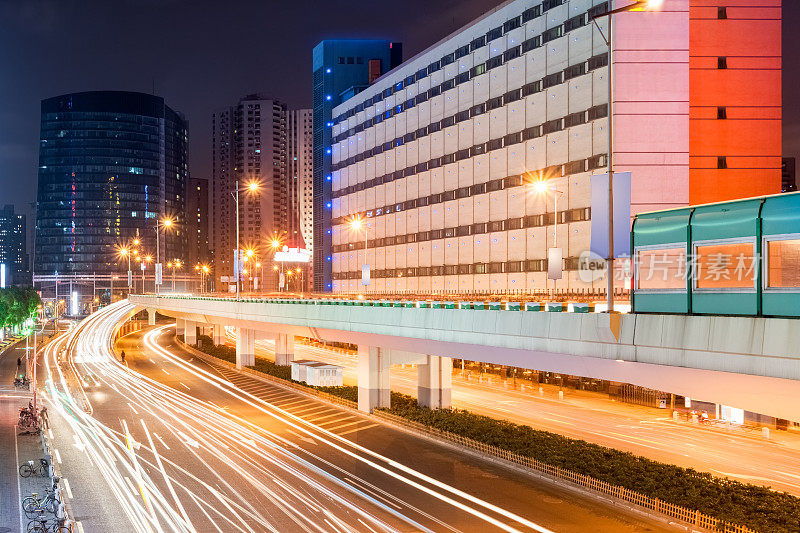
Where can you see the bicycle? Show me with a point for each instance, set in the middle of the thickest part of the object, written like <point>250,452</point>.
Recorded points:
<point>39,525</point>
<point>28,469</point>
<point>33,505</point>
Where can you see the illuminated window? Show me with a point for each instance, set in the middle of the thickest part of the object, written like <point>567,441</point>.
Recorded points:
<point>661,269</point>
<point>725,266</point>
<point>783,263</point>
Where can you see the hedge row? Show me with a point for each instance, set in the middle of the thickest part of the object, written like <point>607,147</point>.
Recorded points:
<point>756,507</point>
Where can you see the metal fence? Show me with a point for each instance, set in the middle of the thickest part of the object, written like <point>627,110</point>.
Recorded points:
<point>690,516</point>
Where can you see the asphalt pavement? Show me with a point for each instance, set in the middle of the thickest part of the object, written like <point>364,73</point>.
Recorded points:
<point>739,454</point>
<point>172,441</point>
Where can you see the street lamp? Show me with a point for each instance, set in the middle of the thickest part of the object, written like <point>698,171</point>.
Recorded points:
<point>251,187</point>
<point>124,252</point>
<point>543,186</point>
<point>355,224</point>
<point>637,5</point>
<point>166,223</point>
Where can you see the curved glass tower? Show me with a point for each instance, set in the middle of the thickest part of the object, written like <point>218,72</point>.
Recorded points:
<point>110,164</point>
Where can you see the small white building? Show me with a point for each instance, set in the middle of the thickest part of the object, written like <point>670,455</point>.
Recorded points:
<point>317,374</point>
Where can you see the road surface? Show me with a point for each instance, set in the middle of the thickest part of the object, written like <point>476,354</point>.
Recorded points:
<point>171,443</point>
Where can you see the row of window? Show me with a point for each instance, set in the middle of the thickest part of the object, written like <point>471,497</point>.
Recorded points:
<point>551,126</point>
<point>504,267</point>
<point>567,169</point>
<point>483,40</point>
<point>531,221</point>
<point>548,81</point>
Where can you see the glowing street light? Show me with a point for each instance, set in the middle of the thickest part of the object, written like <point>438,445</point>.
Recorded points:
<point>356,223</point>
<point>251,187</point>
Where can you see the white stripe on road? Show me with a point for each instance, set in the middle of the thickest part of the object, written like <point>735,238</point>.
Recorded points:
<point>67,487</point>
<point>78,524</point>
<point>58,456</point>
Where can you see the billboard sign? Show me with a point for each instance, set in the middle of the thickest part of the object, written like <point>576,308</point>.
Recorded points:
<point>622,214</point>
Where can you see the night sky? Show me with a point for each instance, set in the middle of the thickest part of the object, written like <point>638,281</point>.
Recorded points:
<point>201,55</point>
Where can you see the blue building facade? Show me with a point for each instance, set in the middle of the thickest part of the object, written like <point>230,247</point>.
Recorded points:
<point>341,68</point>
<point>110,164</point>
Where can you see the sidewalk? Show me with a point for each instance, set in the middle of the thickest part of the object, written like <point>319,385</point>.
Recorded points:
<point>15,449</point>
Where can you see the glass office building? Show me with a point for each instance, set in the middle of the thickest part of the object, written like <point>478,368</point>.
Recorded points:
<point>341,69</point>
<point>110,164</point>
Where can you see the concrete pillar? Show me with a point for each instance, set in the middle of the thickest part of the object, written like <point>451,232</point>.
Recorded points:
<point>373,378</point>
<point>180,326</point>
<point>245,347</point>
<point>284,349</point>
<point>219,334</point>
<point>190,332</point>
<point>151,317</point>
<point>435,382</point>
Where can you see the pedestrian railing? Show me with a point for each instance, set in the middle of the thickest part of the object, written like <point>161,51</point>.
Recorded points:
<point>677,512</point>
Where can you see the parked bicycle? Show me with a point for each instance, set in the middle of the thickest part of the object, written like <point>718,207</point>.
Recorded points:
<point>29,469</point>
<point>39,524</point>
<point>42,525</point>
<point>50,503</point>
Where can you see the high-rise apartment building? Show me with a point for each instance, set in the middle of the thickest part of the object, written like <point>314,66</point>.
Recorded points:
<point>197,223</point>
<point>13,246</point>
<point>249,145</point>
<point>436,157</point>
<point>110,164</point>
<point>300,179</point>
<point>341,68</point>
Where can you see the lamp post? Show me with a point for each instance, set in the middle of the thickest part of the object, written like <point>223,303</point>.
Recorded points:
<point>124,252</point>
<point>543,186</point>
<point>637,5</point>
<point>275,244</point>
<point>355,225</point>
<point>252,187</point>
<point>166,223</point>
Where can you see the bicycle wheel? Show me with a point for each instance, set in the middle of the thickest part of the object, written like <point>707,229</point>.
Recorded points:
<point>31,507</point>
<point>52,504</point>
<point>25,470</point>
<point>34,526</point>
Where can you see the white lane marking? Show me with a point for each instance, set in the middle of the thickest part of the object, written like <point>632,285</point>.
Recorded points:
<point>343,433</point>
<point>50,433</point>
<point>58,455</point>
<point>165,371</point>
<point>161,440</point>
<point>334,428</point>
<point>67,487</point>
<point>79,526</point>
<point>132,408</point>
<point>184,384</point>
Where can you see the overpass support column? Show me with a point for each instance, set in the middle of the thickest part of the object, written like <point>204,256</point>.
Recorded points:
<point>284,349</point>
<point>151,317</point>
<point>435,382</point>
<point>373,378</point>
<point>245,347</point>
<point>180,327</point>
<point>190,332</point>
<point>219,334</point>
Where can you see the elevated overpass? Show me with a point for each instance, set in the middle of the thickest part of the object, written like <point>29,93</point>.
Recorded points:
<point>747,362</point>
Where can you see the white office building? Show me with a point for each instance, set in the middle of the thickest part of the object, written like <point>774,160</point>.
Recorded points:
<point>437,156</point>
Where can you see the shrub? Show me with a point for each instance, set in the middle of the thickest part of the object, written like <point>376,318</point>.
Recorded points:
<point>756,507</point>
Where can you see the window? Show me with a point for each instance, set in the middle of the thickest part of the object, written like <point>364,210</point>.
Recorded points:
<point>514,223</point>
<point>512,96</point>
<point>494,62</point>
<point>532,87</point>
<point>574,119</point>
<point>512,53</point>
<point>722,13</point>
<point>531,133</point>
<point>598,111</point>
<point>722,113</point>
<point>512,138</point>
<point>532,13</point>
<point>552,126</point>
<point>479,268</point>
<point>722,63</point>
<point>530,44</point>
<point>552,33</point>
<point>449,58</point>
<point>477,43</point>
<point>477,70</point>
<point>463,51</point>
<point>783,263</point>
<point>512,24</point>
<point>551,79</point>
<point>722,162</point>
<point>574,167</point>
<point>574,23</point>
<point>433,67</point>
<point>574,71</point>
<point>598,10</point>
<point>494,34</point>
<point>725,266</point>
<point>494,103</point>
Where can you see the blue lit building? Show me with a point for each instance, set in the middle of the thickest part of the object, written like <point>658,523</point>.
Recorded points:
<point>110,163</point>
<point>341,69</point>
